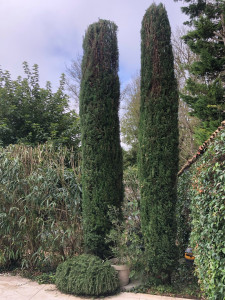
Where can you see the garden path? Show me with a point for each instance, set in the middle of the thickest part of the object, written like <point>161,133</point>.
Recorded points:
<point>18,288</point>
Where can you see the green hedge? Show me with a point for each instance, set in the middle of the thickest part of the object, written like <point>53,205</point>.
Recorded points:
<point>206,196</point>
<point>86,275</point>
<point>40,206</point>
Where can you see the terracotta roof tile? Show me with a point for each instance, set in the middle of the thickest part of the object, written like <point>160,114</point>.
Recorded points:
<point>201,149</point>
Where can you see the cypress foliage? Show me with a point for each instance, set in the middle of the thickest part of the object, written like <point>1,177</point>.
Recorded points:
<point>158,142</point>
<point>101,150</point>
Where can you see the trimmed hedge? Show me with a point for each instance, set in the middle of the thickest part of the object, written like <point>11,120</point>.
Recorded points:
<point>206,197</point>
<point>86,275</point>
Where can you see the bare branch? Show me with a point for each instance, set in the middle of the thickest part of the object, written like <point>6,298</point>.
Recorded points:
<point>73,78</point>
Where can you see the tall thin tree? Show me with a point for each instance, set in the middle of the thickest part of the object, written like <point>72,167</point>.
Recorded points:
<point>101,150</point>
<point>158,143</point>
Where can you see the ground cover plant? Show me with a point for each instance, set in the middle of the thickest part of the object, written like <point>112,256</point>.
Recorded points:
<point>87,275</point>
<point>40,206</point>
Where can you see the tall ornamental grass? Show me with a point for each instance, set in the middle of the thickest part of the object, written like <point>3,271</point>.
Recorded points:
<point>40,206</point>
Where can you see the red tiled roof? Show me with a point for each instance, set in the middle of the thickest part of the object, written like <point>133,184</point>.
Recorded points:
<point>201,149</point>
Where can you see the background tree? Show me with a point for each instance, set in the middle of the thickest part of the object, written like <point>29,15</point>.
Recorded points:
<point>73,78</point>
<point>30,114</point>
<point>206,39</point>
<point>158,139</point>
<point>130,122</point>
<point>131,97</point>
<point>100,136</point>
<point>183,58</point>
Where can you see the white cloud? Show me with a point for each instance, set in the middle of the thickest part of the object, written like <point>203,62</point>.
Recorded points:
<point>50,32</point>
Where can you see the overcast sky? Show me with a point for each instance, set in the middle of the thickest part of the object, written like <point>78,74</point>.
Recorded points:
<point>50,32</point>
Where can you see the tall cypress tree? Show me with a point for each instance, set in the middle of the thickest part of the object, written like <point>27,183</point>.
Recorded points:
<point>158,142</point>
<point>101,150</point>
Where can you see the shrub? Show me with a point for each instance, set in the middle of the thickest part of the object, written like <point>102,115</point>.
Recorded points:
<point>86,275</point>
<point>40,199</point>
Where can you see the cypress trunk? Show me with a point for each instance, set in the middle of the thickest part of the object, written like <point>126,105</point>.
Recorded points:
<point>101,151</point>
<point>158,144</point>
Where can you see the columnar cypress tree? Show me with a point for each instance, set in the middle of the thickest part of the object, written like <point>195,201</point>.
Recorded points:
<point>158,142</point>
<point>101,150</point>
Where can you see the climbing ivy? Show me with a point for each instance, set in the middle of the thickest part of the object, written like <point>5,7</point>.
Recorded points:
<point>203,190</point>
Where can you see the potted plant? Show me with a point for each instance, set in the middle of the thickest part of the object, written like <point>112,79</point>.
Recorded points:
<point>125,236</point>
<point>123,271</point>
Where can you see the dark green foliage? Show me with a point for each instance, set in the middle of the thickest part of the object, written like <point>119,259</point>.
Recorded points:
<point>206,195</point>
<point>158,139</point>
<point>45,278</point>
<point>183,211</point>
<point>205,88</point>
<point>101,151</point>
<point>40,206</point>
<point>207,103</point>
<point>32,115</point>
<point>86,275</point>
<point>184,285</point>
<point>126,236</point>
<point>129,158</point>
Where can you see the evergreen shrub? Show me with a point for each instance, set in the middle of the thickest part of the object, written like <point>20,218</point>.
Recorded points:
<point>86,275</point>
